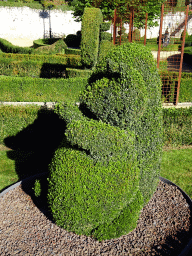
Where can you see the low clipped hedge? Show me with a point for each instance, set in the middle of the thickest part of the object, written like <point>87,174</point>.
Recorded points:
<point>6,46</point>
<point>68,60</point>
<point>169,85</point>
<point>39,69</point>
<point>27,89</point>
<point>177,126</point>
<point>177,122</point>
<point>42,42</point>
<point>104,47</point>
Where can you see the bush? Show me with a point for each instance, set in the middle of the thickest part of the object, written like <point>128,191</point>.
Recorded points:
<point>43,42</point>
<point>105,36</point>
<point>57,47</point>
<point>6,46</point>
<point>73,41</point>
<point>125,91</point>
<point>43,69</point>
<point>90,29</point>
<point>107,166</point>
<point>104,47</point>
<point>105,26</point>
<point>136,34</point>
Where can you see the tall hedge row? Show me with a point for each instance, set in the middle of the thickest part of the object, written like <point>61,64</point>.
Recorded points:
<point>90,30</point>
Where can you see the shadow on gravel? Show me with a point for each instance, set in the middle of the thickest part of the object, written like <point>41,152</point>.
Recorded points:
<point>172,244</point>
<point>33,149</point>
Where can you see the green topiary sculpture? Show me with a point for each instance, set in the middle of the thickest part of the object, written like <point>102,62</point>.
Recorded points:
<point>107,166</point>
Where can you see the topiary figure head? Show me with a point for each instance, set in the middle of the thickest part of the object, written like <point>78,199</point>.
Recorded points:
<point>108,166</point>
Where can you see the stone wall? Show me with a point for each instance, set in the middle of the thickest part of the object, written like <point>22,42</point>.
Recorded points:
<point>24,22</point>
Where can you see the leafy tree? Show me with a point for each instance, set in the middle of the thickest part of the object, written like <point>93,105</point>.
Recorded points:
<point>124,7</point>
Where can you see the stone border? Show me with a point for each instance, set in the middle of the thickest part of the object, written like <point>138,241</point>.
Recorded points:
<point>185,251</point>
<point>52,104</point>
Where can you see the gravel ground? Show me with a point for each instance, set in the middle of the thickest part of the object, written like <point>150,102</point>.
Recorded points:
<point>26,228</point>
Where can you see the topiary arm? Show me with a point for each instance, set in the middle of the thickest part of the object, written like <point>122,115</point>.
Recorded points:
<point>68,112</point>
<point>103,141</point>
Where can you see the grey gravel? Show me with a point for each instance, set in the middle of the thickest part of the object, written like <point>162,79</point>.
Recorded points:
<point>163,228</point>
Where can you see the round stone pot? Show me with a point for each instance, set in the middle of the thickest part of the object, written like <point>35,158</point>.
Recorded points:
<point>187,251</point>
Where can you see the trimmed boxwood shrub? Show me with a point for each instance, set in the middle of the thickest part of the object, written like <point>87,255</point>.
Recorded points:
<point>125,91</point>
<point>105,26</point>
<point>107,166</point>
<point>6,46</point>
<point>90,29</point>
<point>43,42</point>
<point>104,47</point>
<point>105,36</point>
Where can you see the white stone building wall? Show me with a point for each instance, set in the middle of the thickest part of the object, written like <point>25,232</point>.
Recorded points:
<point>24,22</point>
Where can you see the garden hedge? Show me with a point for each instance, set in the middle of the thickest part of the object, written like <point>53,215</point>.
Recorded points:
<point>6,46</point>
<point>90,30</point>
<point>68,60</point>
<point>27,89</point>
<point>177,122</point>
<point>169,85</point>
<point>11,67</point>
<point>107,166</point>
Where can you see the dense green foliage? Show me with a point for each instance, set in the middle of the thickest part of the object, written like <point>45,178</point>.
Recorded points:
<point>152,7</point>
<point>42,42</point>
<point>116,129</point>
<point>177,122</point>
<point>32,68</point>
<point>68,60</point>
<point>128,96</point>
<point>8,47</point>
<point>90,30</point>
<point>27,89</point>
<point>177,126</point>
<point>104,47</point>
<point>169,85</point>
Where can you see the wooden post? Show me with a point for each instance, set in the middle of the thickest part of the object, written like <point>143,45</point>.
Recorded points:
<point>130,26</point>
<point>182,52</point>
<point>120,31</point>
<point>114,26</point>
<point>160,35</point>
<point>145,28</point>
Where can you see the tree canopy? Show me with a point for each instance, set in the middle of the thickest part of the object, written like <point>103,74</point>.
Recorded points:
<point>124,7</point>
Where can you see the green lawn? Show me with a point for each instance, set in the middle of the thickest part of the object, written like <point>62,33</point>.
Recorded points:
<point>176,166</point>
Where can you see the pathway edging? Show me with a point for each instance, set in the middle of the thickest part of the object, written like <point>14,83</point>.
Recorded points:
<point>52,104</point>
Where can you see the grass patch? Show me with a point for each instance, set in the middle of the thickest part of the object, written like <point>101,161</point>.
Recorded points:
<point>8,175</point>
<point>176,167</point>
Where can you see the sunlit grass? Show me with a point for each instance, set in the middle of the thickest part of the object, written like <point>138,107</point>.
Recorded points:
<point>176,167</point>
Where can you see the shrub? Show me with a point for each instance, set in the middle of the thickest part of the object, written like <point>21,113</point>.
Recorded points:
<point>90,29</point>
<point>6,46</point>
<point>72,41</point>
<point>107,166</point>
<point>125,91</point>
<point>105,26</point>
<point>57,47</point>
<point>136,34</point>
<point>104,47</point>
<point>105,36</point>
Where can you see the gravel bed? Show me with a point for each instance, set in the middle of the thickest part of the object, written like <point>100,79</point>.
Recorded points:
<point>26,228</point>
